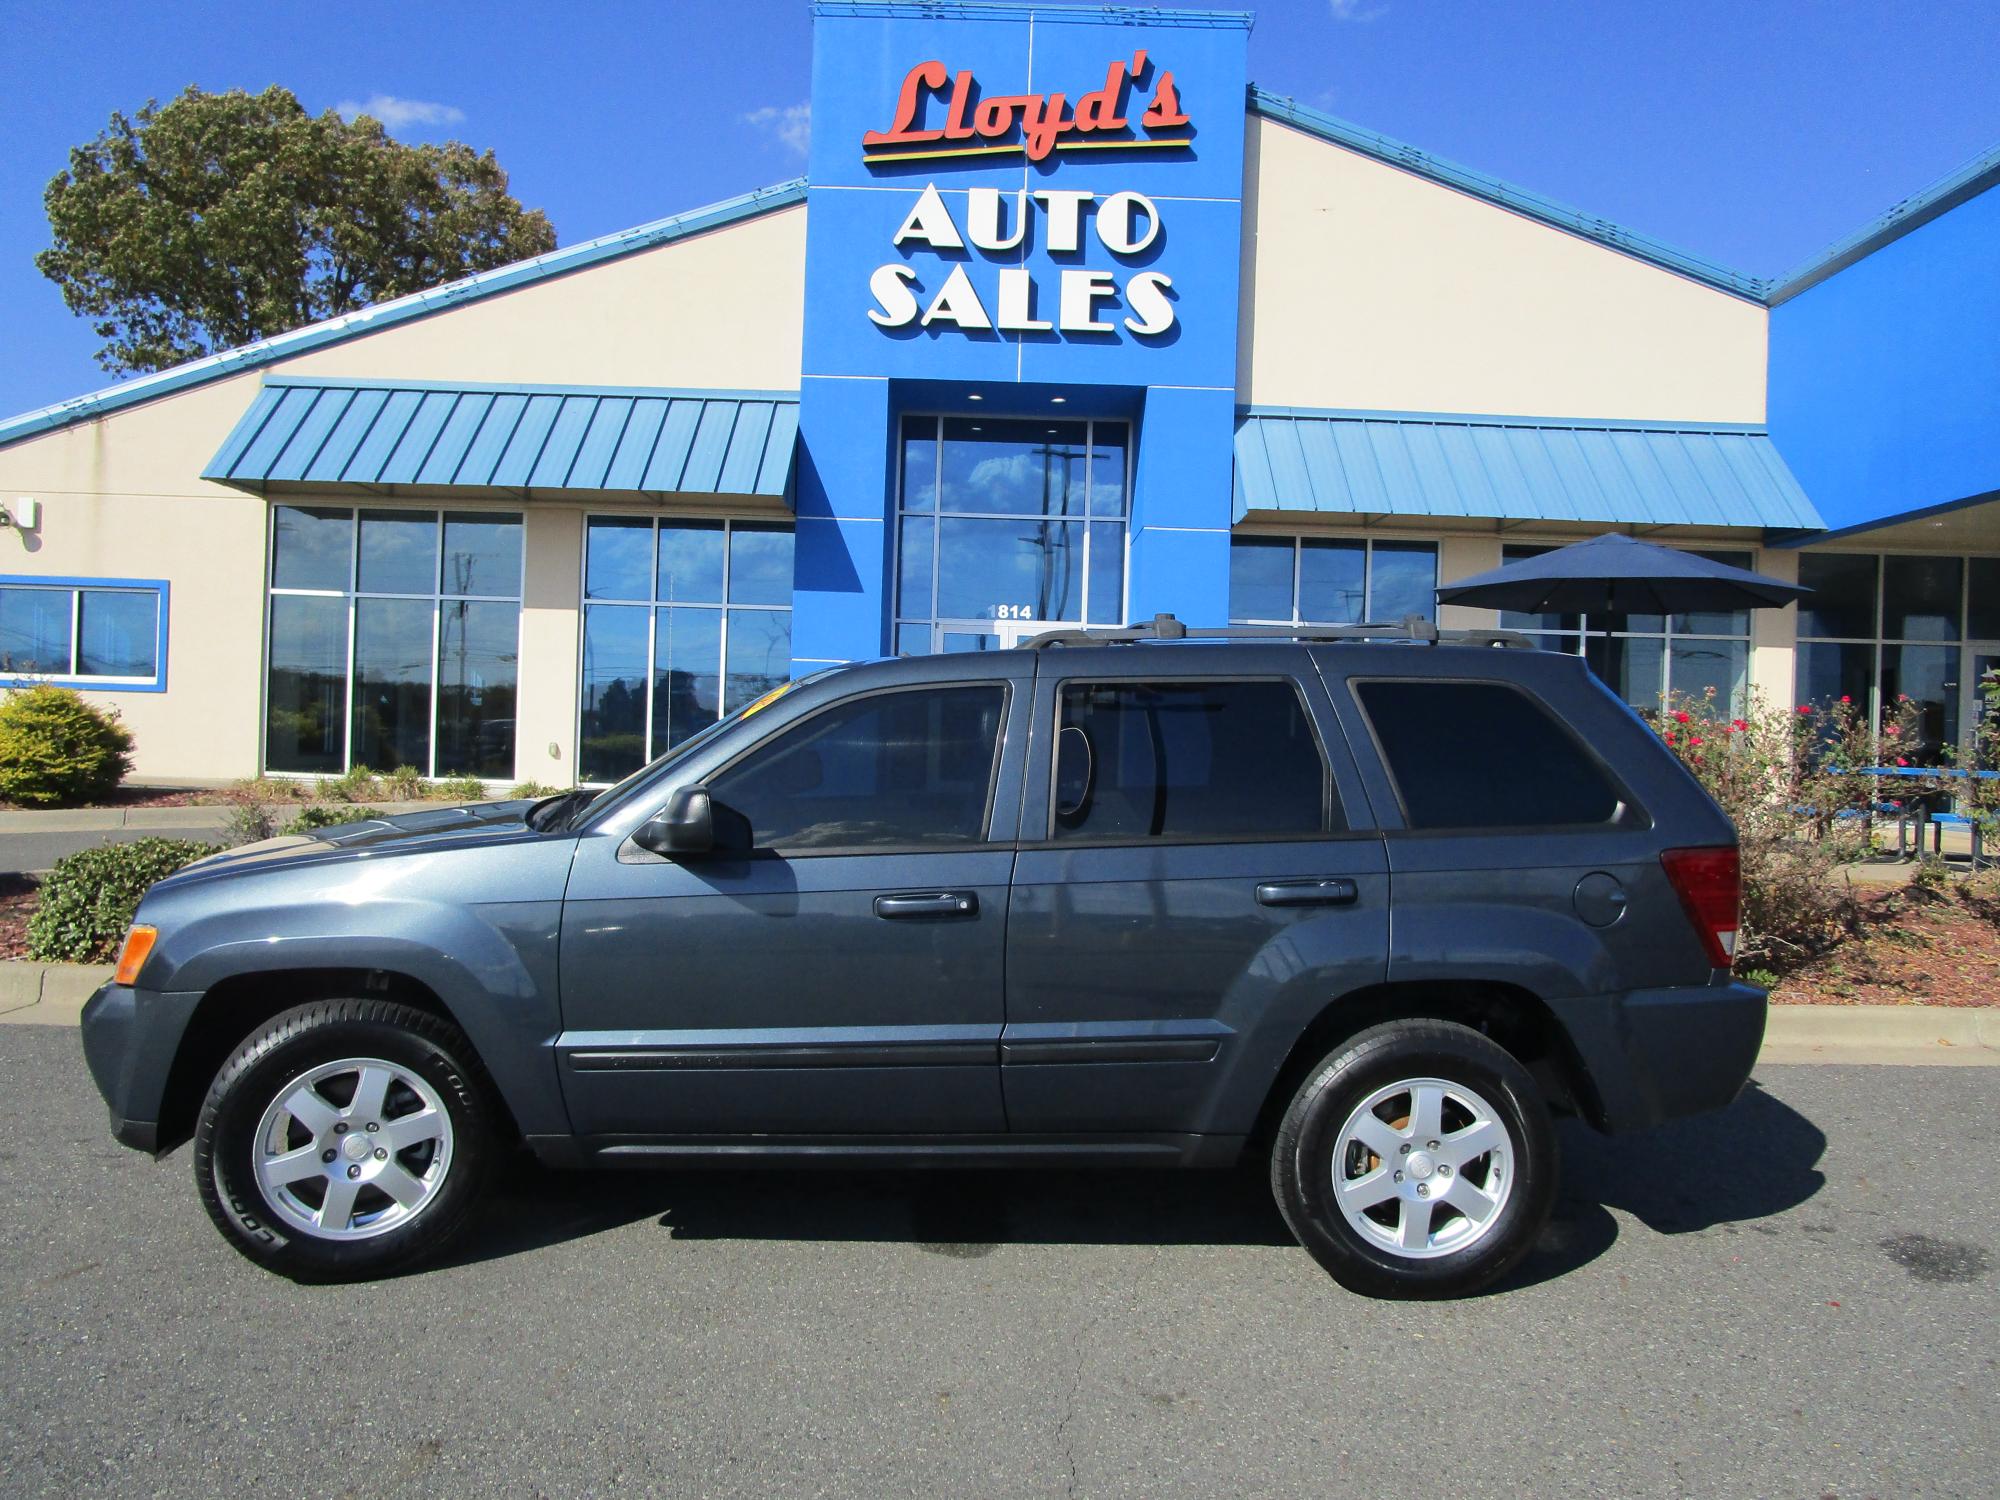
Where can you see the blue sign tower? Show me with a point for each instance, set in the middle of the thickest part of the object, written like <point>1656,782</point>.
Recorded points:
<point>1023,255</point>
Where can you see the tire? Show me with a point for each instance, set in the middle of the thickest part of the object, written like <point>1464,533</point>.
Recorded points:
<point>1439,1222</point>
<point>404,1173</point>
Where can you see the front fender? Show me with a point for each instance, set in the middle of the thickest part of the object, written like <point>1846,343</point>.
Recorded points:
<point>492,965</point>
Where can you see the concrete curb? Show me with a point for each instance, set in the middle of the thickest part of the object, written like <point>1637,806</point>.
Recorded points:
<point>34,994</point>
<point>211,816</point>
<point>1931,1035</point>
<point>47,994</point>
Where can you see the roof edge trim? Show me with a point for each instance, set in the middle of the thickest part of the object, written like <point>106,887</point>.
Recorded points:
<point>1025,10</point>
<point>382,315</point>
<point>1928,203</point>
<point>524,388</point>
<point>1506,195</point>
<point>1493,419</point>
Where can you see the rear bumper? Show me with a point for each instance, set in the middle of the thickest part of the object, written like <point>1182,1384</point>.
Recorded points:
<point>1655,1055</point>
<point>129,1040</point>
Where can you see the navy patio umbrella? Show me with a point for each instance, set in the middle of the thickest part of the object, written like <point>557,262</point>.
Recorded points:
<point>1617,575</point>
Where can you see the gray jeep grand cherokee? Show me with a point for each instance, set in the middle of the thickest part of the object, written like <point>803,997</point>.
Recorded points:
<point>1373,907</point>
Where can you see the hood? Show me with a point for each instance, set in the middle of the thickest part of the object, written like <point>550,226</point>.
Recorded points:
<point>398,833</point>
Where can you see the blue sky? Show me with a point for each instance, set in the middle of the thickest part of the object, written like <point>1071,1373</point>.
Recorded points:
<point>1752,134</point>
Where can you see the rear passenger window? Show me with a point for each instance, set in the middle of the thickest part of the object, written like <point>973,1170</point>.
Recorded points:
<point>1187,760</point>
<point>1483,755</point>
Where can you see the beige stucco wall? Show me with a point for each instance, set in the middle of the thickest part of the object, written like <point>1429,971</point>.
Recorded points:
<point>121,497</point>
<point>1369,287</point>
<point>721,311</point>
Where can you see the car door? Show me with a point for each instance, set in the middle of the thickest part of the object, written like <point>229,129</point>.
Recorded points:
<point>834,966</point>
<point>1197,880</point>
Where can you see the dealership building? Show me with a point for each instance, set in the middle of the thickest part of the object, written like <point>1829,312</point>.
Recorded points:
<point>1068,322</point>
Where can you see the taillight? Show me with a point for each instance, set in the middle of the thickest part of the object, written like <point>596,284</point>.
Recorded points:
<point>1710,885</point>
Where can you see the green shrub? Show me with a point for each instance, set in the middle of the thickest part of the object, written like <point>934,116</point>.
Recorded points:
<point>404,784</point>
<point>88,899</point>
<point>327,815</point>
<point>358,785</point>
<point>467,788</point>
<point>56,750</point>
<point>532,791</point>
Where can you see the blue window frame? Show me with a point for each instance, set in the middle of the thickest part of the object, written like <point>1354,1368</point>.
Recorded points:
<point>103,634</point>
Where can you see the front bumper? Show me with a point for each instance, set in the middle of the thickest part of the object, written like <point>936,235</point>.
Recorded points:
<point>129,1041</point>
<point>1657,1055</point>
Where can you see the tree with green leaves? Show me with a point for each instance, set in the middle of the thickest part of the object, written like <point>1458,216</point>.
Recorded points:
<point>218,219</point>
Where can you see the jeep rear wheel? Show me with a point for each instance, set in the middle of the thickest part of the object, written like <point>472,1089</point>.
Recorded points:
<point>344,1138</point>
<point>1418,1161</point>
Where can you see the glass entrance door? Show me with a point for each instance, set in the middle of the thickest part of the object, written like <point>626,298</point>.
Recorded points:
<point>991,635</point>
<point>1008,526</point>
<point>1981,657</point>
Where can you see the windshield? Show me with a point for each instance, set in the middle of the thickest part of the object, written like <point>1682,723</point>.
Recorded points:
<point>603,803</point>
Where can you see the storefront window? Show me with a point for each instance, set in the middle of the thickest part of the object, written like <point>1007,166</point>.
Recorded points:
<point>684,621</point>
<point>1647,659</point>
<point>1007,520</point>
<point>1287,580</point>
<point>1879,628</point>
<point>394,641</point>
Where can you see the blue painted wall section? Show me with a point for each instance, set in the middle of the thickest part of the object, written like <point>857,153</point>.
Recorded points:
<point>1885,376</point>
<point>952,144</point>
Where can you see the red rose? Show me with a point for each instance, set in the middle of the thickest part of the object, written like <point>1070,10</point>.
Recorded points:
<point>1682,717</point>
<point>1694,739</point>
<point>1845,699</point>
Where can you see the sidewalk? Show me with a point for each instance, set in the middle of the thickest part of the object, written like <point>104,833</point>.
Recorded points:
<point>104,819</point>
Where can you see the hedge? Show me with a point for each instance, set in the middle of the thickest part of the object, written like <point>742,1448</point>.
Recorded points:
<point>88,899</point>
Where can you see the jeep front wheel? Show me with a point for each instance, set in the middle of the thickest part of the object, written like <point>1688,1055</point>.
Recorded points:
<point>1417,1162</point>
<point>344,1138</point>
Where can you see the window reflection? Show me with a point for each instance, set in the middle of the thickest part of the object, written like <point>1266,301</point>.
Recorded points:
<point>307,693</point>
<point>479,664</point>
<point>426,606</point>
<point>1012,538</point>
<point>689,582</point>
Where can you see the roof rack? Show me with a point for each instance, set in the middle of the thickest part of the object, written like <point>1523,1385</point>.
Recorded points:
<point>1412,628</point>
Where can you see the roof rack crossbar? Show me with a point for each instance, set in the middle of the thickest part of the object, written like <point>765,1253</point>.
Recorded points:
<point>1414,628</point>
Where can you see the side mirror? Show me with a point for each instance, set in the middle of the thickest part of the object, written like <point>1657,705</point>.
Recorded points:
<point>687,826</point>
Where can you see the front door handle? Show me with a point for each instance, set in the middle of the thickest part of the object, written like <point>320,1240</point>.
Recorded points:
<point>930,904</point>
<point>1330,892</point>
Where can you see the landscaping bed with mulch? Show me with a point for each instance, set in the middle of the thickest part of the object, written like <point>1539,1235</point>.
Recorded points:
<point>147,796</point>
<point>1909,946</point>
<point>18,894</point>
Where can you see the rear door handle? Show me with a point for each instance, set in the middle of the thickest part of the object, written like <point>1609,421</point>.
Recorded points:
<point>1333,892</point>
<point>930,904</point>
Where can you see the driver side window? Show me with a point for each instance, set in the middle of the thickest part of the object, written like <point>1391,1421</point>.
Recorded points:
<point>891,770</point>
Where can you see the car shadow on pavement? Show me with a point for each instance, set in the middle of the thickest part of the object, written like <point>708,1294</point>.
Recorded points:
<point>1756,1159</point>
<point>1680,1178</point>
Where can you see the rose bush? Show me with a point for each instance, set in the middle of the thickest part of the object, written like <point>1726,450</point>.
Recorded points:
<point>1800,786</point>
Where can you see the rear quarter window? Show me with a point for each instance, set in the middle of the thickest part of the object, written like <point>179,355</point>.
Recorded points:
<point>1483,755</point>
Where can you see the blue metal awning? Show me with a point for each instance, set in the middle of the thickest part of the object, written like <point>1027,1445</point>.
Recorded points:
<point>1515,469</point>
<point>414,436</point>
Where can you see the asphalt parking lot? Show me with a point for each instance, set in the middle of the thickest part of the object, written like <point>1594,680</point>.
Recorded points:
<point>1796,1298</point>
